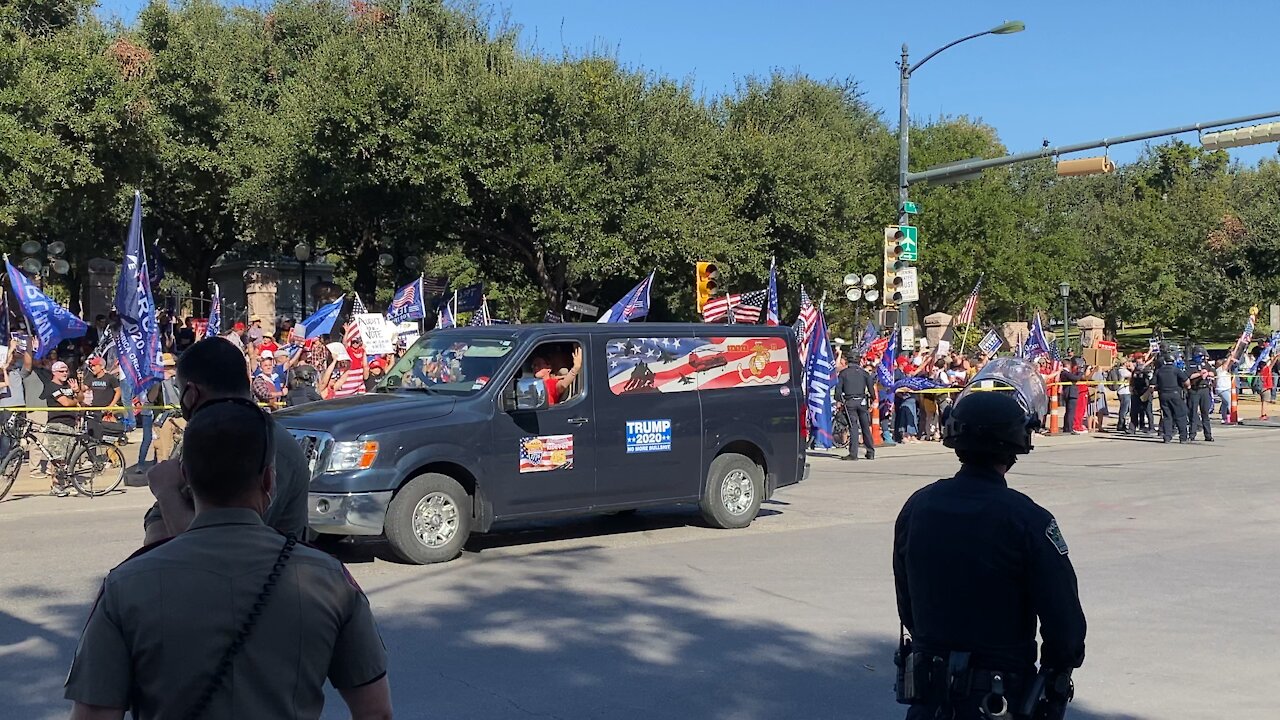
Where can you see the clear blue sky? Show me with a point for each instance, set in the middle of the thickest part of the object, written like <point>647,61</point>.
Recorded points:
<point>1081,70</point>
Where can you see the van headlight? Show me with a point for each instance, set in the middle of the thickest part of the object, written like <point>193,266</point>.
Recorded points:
<point>352,455</point>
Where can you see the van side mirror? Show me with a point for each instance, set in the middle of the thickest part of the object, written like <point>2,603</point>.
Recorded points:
<point>525,394</point>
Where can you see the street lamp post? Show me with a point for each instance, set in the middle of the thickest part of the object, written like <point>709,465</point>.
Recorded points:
<point>905,69</point>
<point>302,252</point>
<point>1064,289</point>
<point>860,287</point>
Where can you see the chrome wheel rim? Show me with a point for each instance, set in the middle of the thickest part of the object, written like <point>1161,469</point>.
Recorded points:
<point>435,520</point>
<point>737,491</point>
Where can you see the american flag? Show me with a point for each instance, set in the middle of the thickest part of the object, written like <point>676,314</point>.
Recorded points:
<point>806,323</point>
<point>480,317</point>
<point>746,307</point>
<point>352,330</point>
<point>970,306</point>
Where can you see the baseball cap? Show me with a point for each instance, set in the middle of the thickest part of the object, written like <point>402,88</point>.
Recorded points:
<point>282,353</point>
<point>266,355</point>
<point>167,360</point>
<point>59,367</point>
<point>95,361</point>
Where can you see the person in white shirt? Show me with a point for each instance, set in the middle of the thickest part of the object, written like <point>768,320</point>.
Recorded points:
<point>1121,375</point>
<point>1222,387</point>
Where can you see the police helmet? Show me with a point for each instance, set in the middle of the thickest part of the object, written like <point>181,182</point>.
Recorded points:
<point>989,422</point>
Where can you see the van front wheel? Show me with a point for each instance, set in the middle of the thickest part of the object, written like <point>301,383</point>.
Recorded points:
<point>734,489</point>
<point>429,519</point>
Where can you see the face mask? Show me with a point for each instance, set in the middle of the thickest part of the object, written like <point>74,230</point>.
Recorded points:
<point>182,406</point>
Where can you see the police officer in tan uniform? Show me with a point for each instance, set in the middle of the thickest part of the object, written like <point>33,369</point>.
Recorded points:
<point>211,370</point>
<point>229,619</point>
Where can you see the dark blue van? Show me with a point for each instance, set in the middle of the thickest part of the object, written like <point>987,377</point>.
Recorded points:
<point>475,426</point>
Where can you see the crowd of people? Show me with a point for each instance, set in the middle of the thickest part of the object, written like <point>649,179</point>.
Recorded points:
<point>1120,397</point>
<point>82,385</point>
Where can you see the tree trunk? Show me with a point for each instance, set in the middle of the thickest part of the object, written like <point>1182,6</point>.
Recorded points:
<point>366,281</point>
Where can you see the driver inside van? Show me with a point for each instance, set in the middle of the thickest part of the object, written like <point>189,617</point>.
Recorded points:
<point>559,387</point>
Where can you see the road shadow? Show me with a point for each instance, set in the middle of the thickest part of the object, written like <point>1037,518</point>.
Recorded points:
<point>558,635</point>
<point>530,533</point>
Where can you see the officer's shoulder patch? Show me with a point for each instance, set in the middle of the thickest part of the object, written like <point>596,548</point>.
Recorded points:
<point>1055,536</point>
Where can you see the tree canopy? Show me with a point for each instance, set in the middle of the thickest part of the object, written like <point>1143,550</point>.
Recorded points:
<point>423,130</point>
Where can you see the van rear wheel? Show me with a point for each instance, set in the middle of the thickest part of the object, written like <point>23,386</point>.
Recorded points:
<point>429,519</point>
<point>734,489</point>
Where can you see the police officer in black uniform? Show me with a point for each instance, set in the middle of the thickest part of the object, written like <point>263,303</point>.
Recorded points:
<point>1200,397</point>
<point>1170,382</point>
<point>976,564</point>
<point>856,386</point>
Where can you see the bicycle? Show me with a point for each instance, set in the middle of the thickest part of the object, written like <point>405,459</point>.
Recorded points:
<point>94,468</point>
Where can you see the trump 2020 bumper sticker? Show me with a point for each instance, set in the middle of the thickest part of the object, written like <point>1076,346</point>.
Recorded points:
<point>645,436</point>
<point>546,452</point>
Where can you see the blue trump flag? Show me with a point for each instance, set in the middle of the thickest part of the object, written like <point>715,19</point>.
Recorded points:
<point>322,320</point>
<point>409,303</point>
<point>771,314</point>
<point>469,298</point>
<point>138,342</point>
<point>446,319</point>
<point>49,322</point>
<point>634,304</point>
<point>819,376</point>
<point>214,326</point>
<point>884,370</point>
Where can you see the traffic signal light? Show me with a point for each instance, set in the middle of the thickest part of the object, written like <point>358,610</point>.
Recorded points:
<point>706,281</point>
<point>1085,166</point>
<point>1237,137</point>
<point>893,262</point>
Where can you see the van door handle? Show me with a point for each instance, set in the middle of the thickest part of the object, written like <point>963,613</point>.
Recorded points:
<point>579,421</point>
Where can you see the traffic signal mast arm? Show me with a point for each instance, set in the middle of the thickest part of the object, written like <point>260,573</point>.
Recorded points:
<point>973,166</point>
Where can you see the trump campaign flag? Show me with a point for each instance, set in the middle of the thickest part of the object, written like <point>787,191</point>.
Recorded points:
<point>409,303</point>
<point>469,298</point>
<point>322,320</point>
<point>634,304</point>
<point>446,319</point>
<point>771,314</point>
<point>48,321</point>
<point>819,377</point>
<point>138,342</point>
<point>884,371</point>
<point>213,328</point>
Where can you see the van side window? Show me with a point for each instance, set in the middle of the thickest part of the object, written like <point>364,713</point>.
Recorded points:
<point>559,365</point>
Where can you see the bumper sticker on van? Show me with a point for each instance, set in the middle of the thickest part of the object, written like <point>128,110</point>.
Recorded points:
<point>645,436</point>
<point>546,452</point>
<point>666,365</point>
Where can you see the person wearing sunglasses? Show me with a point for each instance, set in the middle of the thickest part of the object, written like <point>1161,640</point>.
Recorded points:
<point>228,619</point>
<point>213,370</point>
<point>60,392</point>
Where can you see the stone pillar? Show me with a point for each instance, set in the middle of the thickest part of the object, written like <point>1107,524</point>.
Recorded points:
<point>1091,330</point>
<point>100,288</point>
<point>260,292</point>
<point>1014,335</point>
<point>934,326</point>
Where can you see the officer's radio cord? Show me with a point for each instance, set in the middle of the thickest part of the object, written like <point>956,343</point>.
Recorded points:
<point>228,657</point>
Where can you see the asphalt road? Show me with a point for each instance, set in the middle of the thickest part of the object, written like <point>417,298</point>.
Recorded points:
<point>656,616</point>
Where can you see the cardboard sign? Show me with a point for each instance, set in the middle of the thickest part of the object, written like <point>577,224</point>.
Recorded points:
<point>1100,356</point>
<point>405,333</point>
<point>378,340</point>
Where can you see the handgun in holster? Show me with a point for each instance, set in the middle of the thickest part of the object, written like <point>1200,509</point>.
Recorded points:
<point>921,677</point>
<point>1048,695</point>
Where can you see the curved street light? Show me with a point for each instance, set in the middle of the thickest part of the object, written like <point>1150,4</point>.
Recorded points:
<point>905,69</point>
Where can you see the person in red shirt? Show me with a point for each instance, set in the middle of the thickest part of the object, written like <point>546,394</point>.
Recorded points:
<point>558,386</point>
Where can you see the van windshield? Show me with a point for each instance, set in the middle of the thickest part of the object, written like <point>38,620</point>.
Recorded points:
<point>452,365</point>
